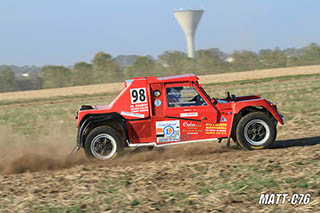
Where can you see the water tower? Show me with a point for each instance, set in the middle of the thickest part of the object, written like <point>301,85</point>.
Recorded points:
<point>189,20</point>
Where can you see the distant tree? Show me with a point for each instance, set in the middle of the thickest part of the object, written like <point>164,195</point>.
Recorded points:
<point>55,76</point>
<point>23,69</point>
<point>159,69</point>
<point>293,61</point>
<point>176,63</point>
<point>141,66</point>
<point>105,69</point>
<point>82,74</point>
<point>33,82</point>
<point>23,84</point>
<point>125,60</point>
<point>188,66</point>
<point>115,73</point>
<point>7,80</point>
<point>101,58</point>
<point>311,54</point>
<point>292,52</point>
<point>245,60</point>
<point>272,58</point>
<point>219,53</point>
<point>209,61</point>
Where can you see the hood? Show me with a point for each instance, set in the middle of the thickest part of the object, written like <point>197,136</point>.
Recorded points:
<point>95,107</point>
<point>248,97</point>
<point>238,98</point>
<point>87,109</point>
<point>101,107</point>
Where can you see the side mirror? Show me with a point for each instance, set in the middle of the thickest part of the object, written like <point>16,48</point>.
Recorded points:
<point>228,95</point>
<point>214,101</point>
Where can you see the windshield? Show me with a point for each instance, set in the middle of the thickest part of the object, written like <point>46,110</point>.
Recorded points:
<point>121,92</point>
<point>203,92</point>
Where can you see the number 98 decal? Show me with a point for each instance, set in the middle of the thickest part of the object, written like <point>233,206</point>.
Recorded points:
<point>138,95</point>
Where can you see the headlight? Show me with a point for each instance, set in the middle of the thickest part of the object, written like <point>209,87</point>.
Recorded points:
<point>282,116</point>
<point>272,104</point>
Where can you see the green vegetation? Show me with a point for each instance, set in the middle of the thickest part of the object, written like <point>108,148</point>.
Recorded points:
<point>56,99</point>
<point>55,76</point>
<point>103,68</point>
<point>7,80</point>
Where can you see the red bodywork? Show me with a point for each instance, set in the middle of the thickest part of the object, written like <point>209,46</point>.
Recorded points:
<point>149,120</point>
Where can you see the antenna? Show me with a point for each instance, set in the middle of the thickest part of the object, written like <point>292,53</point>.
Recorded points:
<point>189,20</point>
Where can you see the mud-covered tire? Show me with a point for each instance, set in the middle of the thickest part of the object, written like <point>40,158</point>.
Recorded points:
<point>256,130</point>
<point>103,143</point>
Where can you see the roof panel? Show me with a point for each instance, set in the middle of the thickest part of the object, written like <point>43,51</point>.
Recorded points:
<point>183,77</point>
<point>175,78</point>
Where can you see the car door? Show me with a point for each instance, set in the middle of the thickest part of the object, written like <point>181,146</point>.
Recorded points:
<point>186,111</point>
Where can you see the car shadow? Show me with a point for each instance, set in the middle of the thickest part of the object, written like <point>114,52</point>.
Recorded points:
<point>296,142</point>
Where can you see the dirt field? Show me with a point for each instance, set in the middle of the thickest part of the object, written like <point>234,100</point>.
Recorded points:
<point>37,175</point>
<point>190,178</point>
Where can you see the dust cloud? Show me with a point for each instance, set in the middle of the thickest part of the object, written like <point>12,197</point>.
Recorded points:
<point>20,153</point>
<point>181,152</point>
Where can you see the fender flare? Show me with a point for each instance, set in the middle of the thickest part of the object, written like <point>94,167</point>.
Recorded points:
<point>94,119</point>
<point>265,107</point>
<point>259,103</point>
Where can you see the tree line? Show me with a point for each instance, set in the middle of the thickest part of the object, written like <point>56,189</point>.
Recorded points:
<point>104,69</point>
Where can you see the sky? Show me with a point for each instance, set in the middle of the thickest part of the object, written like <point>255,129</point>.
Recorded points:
<point>63,32</point>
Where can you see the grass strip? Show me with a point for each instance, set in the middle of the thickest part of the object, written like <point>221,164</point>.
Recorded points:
<point>97,95</point>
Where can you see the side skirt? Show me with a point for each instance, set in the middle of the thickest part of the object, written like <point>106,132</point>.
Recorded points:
<point>167,144</point>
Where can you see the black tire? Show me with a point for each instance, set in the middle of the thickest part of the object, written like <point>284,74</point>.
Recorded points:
<point>233,133</point>
<point>256,130</point>
<point>103,143</point>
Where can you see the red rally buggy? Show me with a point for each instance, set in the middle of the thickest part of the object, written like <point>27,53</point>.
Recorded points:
<point>151,111</point>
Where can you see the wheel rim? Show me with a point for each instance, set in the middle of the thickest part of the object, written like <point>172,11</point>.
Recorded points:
<point>257,132</point>
<point>103,146</point>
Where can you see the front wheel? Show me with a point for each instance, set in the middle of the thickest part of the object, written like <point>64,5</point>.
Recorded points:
<point>256,130</point>
<point>103,143</point>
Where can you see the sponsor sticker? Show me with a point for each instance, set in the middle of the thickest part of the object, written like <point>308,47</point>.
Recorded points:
<point>168,131</point>
<point>157,102</point>
<point>132,114</point>
<point>191,128</point>
<point>189,114</point>
<point>223,119</point>
<point>138,95</point>
<point>157,93</point>
<point>219,129</point>
<point>136,108</point>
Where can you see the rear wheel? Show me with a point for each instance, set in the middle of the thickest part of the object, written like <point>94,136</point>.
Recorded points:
<point>256,130</point>
<point>103,143</point>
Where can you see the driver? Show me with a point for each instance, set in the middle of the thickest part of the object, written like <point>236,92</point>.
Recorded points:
<point>173,96</point>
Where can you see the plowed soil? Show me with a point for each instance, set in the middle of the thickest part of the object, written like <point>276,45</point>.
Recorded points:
<point>193,178</point>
